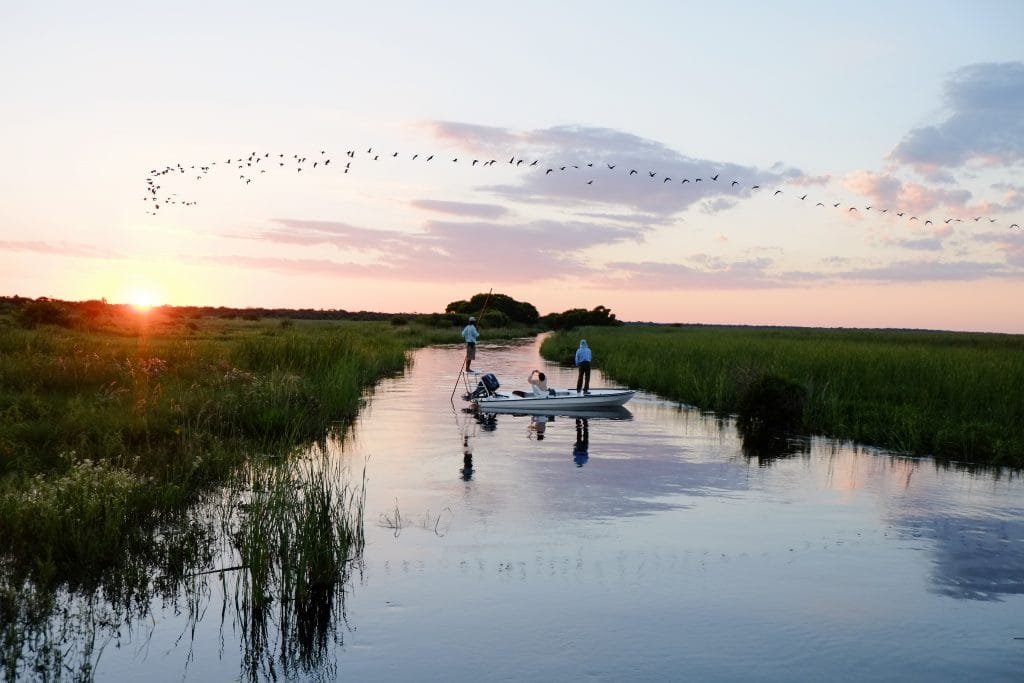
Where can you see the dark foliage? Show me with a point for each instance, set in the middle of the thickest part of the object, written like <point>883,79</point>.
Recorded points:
<point>580,317</point>
<point>772,404</point>
<point>519,312</point>
<point>44,311</point>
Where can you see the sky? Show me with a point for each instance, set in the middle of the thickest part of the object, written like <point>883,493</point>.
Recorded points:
<point>859,164</point>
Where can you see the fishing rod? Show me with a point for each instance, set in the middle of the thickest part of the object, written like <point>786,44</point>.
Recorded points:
<point>462,370</point>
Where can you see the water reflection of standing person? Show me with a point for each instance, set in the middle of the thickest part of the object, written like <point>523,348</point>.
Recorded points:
<point>467,459</point>
<point>579,449</point>
<point>583,358</point>
<point>538,424</point>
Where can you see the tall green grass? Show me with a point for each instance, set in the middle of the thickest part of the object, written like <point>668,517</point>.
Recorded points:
<point>954,396</point>
<point>100,433</point>
<point>139,419</point>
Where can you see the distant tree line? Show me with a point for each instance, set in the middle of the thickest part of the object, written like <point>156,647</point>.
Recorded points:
<point>46,311</point>
<point>579,317</point>
<point>492,311</point>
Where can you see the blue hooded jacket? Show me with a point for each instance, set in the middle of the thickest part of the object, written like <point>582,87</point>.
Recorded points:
<point>583,354</point>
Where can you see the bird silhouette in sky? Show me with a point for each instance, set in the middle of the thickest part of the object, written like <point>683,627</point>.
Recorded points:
<point>156,197</point>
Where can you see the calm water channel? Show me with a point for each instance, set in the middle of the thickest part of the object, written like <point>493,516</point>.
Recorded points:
<point>643,546</point>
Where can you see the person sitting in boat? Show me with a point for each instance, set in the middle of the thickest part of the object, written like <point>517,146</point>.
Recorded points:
<point>539,381</point>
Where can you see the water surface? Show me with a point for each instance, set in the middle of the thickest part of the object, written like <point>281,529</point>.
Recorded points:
<point>641,546</point>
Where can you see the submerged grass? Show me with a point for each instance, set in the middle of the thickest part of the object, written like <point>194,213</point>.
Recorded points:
<point>298,536</point>
<point>954,396</point>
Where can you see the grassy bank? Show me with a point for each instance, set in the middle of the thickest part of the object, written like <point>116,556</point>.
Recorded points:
<point>107,425</point>
<point>954,396</point>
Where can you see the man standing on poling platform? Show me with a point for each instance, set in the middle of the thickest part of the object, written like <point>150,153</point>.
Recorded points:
<point>470,334</point>
<point>583,358</point>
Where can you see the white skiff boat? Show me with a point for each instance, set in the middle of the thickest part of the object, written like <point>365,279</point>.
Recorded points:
<point>489,399</point>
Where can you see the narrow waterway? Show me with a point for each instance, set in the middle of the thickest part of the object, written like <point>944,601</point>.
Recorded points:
<point>644,545</point>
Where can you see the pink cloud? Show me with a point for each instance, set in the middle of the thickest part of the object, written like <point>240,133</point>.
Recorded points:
<point>460,208</point>
<point>58,249</point>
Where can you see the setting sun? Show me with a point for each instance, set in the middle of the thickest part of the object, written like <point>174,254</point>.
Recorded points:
<point>142,300</point>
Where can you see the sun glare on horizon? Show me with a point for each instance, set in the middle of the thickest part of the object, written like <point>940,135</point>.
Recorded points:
<point>142,300</point>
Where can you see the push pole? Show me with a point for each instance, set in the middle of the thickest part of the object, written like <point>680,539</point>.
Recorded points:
<point>462,370</point>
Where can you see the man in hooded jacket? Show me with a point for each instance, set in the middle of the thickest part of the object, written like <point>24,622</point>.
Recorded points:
<point>583,357</point>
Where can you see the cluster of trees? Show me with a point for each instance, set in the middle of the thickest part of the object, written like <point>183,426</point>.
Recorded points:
<point>500,310</point>
<point>580,317</point>
<point>494,310</point>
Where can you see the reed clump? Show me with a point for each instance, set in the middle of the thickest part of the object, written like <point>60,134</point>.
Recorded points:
<point>298,535</point>
<point>954,396</point>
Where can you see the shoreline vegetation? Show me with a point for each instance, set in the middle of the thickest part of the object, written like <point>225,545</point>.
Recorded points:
<point>954,396</point>
<point>142,448</point>
<point>108,420</point>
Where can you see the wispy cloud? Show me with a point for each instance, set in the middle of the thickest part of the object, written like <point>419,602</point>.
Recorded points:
<point>885,190</point>
<point>702,273</point>
<point>472,210</point>
<point>58,249</point>
<point>579,165</point>
<point>934,270</point>
<point>1010,244</point>
<point>920,244</point>
<point>985,122</point>
<point>444,249</point>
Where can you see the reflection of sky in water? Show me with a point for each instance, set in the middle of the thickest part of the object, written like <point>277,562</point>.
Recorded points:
<point>666,554</point>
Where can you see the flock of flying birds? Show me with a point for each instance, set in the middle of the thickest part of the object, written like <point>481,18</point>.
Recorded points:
<point>254,165</point>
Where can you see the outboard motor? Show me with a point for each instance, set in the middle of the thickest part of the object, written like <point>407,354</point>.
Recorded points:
<point>487,385</point>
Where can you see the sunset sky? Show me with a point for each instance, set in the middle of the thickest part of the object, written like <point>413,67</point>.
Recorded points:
<point>830,108</point>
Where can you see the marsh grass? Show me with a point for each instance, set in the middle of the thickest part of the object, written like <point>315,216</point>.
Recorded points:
<point>115,436</point>
<point>298,537</point>
<point>103,433</point>
<point>954,396</point>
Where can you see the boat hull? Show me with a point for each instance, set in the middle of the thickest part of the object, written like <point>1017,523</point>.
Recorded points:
<point>554,403</point>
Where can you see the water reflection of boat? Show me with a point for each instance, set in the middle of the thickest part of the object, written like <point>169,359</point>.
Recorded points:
<point>554,402</point>
<point>598,413</point>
